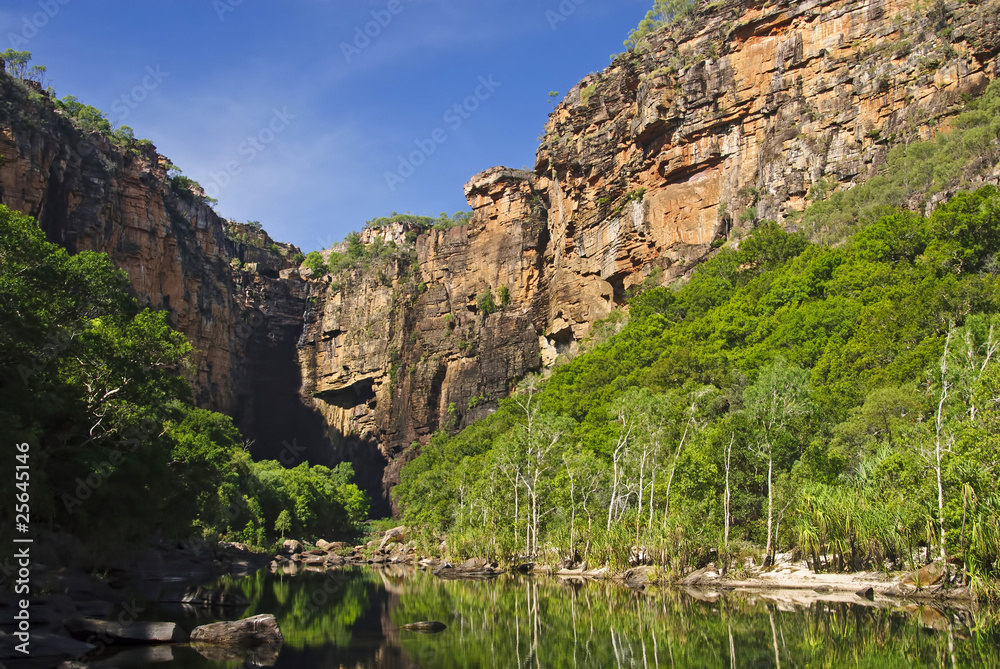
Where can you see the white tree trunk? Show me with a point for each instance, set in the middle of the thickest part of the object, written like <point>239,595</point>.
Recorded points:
<point>614,492</point>
<point>770,506</point>
<point>939,448</point>
<point>726,499</point>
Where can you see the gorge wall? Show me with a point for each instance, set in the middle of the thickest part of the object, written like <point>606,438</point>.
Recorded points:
<point>228,287</point>
<point>741,107</point>
<point>729,116</point>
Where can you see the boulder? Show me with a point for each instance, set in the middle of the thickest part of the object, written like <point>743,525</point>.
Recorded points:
<point>432,626</point>
<point>128,633</point>
<point>255,631</point>
<point>702,575</point>
<point>932,574</point>
<point>640,577</point>
<point>393,536</point>
<point>330,545</point>
<point>292,547</point>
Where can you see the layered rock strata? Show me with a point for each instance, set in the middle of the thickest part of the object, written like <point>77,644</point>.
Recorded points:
<point>730,116</point>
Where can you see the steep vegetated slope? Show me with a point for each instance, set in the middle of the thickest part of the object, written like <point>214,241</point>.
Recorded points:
<point>734,114</point>
<point>838,402</point>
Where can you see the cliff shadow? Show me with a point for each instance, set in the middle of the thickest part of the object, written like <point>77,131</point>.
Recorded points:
<point>282,423</point>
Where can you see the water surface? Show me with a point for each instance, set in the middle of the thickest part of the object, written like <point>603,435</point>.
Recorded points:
<point>351,619</point>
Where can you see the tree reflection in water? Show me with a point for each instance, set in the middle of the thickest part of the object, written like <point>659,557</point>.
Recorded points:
<point>351,619</point>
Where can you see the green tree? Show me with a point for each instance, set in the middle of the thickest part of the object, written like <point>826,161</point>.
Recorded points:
<point>779,395</point>
<point>504,295</point>
<point>17,63</point>
<point>485,303</point>
<point>283,523</point>
<point>314,261</point>
<point>663,13</point>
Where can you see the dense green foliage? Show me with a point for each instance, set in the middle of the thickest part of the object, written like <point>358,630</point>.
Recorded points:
<point>314,262</point>
<point>837,383</point>
<point>187,187</point>
<point>92,383</point>
<point>442,222</point>
<point>376,256</point>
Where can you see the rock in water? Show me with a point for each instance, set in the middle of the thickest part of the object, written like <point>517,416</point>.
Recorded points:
<point>134,632</point>
<point>424,626</point>
<point>255,631</point>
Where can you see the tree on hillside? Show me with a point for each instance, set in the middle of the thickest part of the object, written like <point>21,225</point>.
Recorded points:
<point>16,62</point>
<point>17,66</point>
<point>662,13</point>
<point>314,261</point>
<point>283,523</point>
<point>535,454</point>
<point>779,395</point>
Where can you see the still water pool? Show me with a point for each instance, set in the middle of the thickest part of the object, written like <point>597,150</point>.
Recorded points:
<point>352,618</point>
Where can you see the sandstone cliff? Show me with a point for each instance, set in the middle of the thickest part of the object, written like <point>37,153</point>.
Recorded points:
<point>228,287</point>
<point>727,117</point>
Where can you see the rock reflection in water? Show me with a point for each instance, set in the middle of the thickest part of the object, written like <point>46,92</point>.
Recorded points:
<point>352,618</point>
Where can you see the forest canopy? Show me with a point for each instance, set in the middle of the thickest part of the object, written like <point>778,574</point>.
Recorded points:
<point>790,396</point>
<point>95,385</point>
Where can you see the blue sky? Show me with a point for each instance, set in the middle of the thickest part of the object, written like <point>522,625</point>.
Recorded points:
<point>262,103</point>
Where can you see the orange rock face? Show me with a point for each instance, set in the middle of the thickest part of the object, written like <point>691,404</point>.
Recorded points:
<point>728,117</point>
<point>89,195</point>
